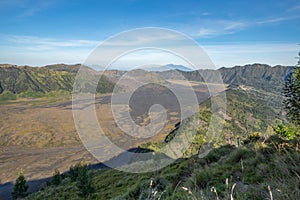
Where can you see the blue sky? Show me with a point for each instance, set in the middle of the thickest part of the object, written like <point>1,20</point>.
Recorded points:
<point>232,32</point>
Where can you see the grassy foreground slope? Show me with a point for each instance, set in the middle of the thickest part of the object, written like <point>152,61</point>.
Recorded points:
<point>258,170</point>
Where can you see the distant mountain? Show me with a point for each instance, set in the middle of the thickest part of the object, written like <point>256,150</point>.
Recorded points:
<point>64,67</point>
<point>179,67</point>
<point>259,76</point>
<point>167,67</point>
<point>20,79</point>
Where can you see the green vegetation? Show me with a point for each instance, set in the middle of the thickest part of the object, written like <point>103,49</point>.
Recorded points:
<point>20,187</point>
<point>37,82</point>
<point>288,131</point>
<point>251,171</point>
<point>247,113</point>
<point>57,178</point>
<point>258,76</point>
<point>256,156</point>
<point>7,95</point>
<point>263,164</point>
<point>292,96</point>
<point>31,94</point>
<point>84,182</point>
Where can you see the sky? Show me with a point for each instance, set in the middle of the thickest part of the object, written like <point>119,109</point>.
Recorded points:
<point>231,32</point>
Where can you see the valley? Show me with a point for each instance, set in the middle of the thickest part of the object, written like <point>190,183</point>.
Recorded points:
<point>36,131</point>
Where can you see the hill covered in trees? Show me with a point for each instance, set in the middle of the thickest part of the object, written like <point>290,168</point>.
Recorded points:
<point>259,76</point>
<point>36,81</point>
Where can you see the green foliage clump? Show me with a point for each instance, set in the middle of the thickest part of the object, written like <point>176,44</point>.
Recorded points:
<point>74,172</point>
<point>57,178</point>
<point>20,187</point>
<point>31,94</point>
<point>288,132</point>
<point>215,154</point>
<point>292,96</point>
<point>253,137</point>
<point>7,95</point>
<point>84,181</point>
<point>82,176</point>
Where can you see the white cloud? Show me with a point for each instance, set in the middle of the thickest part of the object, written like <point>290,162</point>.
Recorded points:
<point>41,51</point>
<point>220,27</point>
<point>39,43</point>
<point>213,28</point>
<point>277,19</point>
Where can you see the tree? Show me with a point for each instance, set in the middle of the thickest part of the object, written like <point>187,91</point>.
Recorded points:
<point>20,187</point>
<point>56,177</point>
<point>292,95</point>
<point>84,181</point>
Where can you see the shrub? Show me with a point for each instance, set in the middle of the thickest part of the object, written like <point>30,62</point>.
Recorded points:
<point>32,94</point>
<point>20,187</point>
<point>56,177</point>
<point>254,137</point>
<point>288,132</point>
<point>84,181</point>
<point>7,95</point>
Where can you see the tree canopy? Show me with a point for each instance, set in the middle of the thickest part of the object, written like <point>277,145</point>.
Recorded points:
<point>292,95</point>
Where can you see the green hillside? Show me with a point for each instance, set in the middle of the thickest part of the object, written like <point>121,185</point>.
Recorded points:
<point>250,111</point>
<point>247,112</point>
<point>253,171</point>
<point>36,81</point>
<point>261,164</point>
<point>260,76</point>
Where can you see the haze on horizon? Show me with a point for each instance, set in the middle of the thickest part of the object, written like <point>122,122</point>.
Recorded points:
<point>36,32</point>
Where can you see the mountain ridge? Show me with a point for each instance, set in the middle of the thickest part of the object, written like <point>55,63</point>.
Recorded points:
<point>21,79</point>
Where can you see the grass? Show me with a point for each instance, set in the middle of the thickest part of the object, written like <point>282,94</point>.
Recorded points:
<point>257,170</point>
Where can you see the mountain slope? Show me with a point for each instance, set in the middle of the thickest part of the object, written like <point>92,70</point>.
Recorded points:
<point>247,111</point>
<point>20,79</point>
<point>254,171</point>
<point>259,76</point>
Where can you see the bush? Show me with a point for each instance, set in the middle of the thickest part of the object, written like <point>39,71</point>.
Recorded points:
<point>82,176</point>
<point>84,181</point>
<point>254,137</point>
<point>288,132</point>
<point>20,187</point>
<point>7,95</point>
<point>57,178</point>
<point>73,172</point>
<point>32,94</point>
